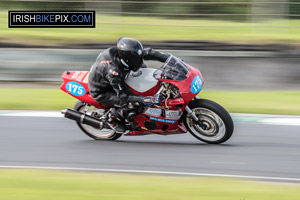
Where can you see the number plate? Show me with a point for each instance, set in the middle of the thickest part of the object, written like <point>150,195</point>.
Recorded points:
<point>75,88</point>
<point>196,85</point>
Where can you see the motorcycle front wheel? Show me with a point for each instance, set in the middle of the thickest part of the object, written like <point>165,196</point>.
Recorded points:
<point>218,123</point>
<point>97,134</point>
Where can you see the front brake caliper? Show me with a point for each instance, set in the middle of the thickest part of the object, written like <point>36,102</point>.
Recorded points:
<point>191,122</point>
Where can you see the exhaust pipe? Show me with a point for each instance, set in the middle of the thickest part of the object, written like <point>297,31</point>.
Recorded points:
<point>82,118</point>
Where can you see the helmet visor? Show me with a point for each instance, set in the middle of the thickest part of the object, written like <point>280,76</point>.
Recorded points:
<point>135,62</point>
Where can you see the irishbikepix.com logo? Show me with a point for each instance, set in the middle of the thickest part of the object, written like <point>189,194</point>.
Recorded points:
<point>51,19</point>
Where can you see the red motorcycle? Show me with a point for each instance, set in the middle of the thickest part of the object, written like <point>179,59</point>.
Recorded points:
<point>181,111</point>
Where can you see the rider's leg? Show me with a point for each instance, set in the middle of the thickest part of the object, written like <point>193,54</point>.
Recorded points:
<point>124,108</point>
<point>111,99</point>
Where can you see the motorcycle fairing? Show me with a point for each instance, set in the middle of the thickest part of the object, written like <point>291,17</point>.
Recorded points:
<point>184,82</point>
<point>185,85</point>
<point>187,79</point>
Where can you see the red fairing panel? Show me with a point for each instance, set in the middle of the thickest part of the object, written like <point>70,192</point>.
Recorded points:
<point>76,84</point>
<point>162,128</point>
<point>184,86</point>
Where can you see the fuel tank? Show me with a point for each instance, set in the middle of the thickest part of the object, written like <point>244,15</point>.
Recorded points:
<point>142,80</point>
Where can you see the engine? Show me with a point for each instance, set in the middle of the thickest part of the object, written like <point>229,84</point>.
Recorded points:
<point>170,91</point>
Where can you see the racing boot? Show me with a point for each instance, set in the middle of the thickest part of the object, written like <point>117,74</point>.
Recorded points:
<point>116,121</point>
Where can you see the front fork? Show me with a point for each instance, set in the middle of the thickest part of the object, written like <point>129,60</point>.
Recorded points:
<point>193,115</point>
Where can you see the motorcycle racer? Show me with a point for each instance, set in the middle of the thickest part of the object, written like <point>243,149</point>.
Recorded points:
<point>107,75</point>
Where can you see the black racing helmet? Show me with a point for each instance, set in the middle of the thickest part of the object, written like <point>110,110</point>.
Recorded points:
<point>130,52</point>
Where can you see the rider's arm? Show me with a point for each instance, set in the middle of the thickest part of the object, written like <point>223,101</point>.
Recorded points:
<point>116,80</point>
<point>151,54</point>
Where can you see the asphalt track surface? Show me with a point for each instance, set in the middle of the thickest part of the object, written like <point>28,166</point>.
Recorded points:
<point>254,150</point>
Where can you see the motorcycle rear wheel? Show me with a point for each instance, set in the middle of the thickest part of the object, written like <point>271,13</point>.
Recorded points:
<point>97,134</point>
<point>218,121</point>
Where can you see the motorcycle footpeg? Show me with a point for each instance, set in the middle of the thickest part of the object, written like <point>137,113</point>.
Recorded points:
<point>120,131</point>
<point>107,125</point>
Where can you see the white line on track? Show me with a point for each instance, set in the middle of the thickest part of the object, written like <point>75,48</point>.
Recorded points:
<point>263,115</point>
<point>30,113</point>
<point>228,163</point>
<point>282,121</point>
<point>288,120</point>
<point>267,178</point>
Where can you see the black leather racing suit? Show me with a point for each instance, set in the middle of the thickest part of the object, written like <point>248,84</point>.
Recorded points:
<point>107,75</point>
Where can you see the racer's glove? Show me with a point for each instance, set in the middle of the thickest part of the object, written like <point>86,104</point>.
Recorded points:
<point>150,100</point>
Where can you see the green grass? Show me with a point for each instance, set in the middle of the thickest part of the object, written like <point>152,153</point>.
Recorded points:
<point>35,99</point>
<point>113,27</point>
<point>267,102</point>
<point>270,102</point>
<point>46,185</point>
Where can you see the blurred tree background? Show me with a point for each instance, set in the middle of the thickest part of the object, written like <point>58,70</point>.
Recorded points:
<point>153,20</point>
<point>294,9</point>
<point>216,9</point>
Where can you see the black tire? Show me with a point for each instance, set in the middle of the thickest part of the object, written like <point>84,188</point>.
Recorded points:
<point>78,106</point>
<point>218,112</point>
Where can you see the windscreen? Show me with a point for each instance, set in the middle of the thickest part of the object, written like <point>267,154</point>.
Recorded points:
<point>173,69</point>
